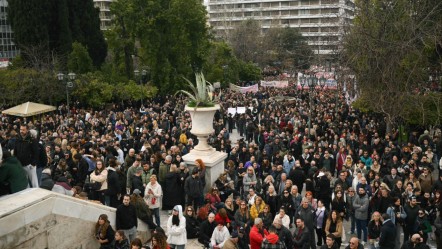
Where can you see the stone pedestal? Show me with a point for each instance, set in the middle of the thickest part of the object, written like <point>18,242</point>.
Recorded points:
<point>214,161</point>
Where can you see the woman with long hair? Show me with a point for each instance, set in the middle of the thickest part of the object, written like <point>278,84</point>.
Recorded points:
<point>159,242</point>
<point>192,224</point>
<point>338,203</point>
<point>374,229</point>
<point>199,164</point>
<point>257,208</point>
<point>99,175</point>
<point>142,209</point>
<point>333,226</point>
<point>266,216</point>
<point>413,179</point>
<point>242,216</point>
<point>437,198</point>
<point>271,198</point>
<point>230,208</point>
<point>121,241</point>
<point>104,233</point>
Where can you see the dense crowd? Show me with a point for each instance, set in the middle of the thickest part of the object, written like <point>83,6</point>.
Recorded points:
<point>289,182</point>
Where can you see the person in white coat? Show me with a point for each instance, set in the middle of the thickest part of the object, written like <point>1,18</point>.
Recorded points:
<point>152,196</point>
<point>219,236</point>
<point>176,229</point>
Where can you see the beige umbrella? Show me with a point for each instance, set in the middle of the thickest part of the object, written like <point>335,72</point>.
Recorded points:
<point>29,109</point>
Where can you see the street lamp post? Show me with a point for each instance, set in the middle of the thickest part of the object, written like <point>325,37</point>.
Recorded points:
<point>142,79</point>
<point>69,84</point>
<point>312,82</point>
<point>337,92</point>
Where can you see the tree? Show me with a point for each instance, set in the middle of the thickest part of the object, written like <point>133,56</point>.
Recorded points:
<point>84,23</point>
<point>24,84</point>
<point>29,20</point>
<point>91,90</point>
<point>172,37</point>
<point>52,26</point>
<point>287,47</point>
<point>246,41</point>
<point>222,65</point>
<point>79,60</point>
<point>390,47</point>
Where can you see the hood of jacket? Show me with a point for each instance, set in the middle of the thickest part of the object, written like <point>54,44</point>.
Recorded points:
<point>180,211</point>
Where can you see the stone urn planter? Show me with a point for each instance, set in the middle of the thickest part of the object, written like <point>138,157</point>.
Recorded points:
<point>202,125</point>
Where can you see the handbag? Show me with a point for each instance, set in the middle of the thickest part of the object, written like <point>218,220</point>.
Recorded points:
<point>94,186</point>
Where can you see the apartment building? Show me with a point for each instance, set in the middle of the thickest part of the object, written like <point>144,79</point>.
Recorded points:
<point>105,14</point>
<point>8,49</point>
<point>323,22</point>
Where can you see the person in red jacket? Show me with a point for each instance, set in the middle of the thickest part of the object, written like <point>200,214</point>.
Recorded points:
<point>221,217</point>
<point>257,234</point>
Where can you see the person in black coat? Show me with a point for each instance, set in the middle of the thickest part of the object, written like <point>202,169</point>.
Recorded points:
<point>323,189</point>
<point>298,177</point>
<point>113,185</point>
<point>192,223</point>
<point>172,190</point>
<point>206,230</point>
<point>26,151</point>
<point>284,233</point>
<point>137,181</point>
<point>80,169</point>
<point>330,242</point>
<point>104,233</point>
<point>388,233</point>
<point>301,236</point>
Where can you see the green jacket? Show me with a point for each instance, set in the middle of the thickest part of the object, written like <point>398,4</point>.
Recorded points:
<point>12,172</point>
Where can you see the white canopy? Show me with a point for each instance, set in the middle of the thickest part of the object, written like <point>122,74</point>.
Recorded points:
<point>29,109</point>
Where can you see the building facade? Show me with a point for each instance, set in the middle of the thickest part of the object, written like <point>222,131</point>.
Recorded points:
<point>323,22</point>
<point>105,14</point>
<point>8,49</point>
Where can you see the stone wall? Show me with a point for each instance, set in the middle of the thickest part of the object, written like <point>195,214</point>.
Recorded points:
<point>36,218</point>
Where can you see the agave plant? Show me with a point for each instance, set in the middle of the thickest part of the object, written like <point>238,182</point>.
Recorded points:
<point>202,95</point>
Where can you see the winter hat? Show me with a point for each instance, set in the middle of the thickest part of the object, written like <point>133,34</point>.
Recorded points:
<point>137,191</point>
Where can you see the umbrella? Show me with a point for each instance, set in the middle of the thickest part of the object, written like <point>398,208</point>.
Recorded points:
<point>28,109</point>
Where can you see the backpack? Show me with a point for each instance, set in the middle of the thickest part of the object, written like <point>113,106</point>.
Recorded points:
<point>90,163</point>
<point>183,138</point>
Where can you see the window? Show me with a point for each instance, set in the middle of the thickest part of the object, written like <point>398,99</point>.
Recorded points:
<point>304,12</point>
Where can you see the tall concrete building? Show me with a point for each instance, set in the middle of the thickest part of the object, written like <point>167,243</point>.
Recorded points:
<point>105,15</point>
<point>323,22</point>
<point>8,49</point>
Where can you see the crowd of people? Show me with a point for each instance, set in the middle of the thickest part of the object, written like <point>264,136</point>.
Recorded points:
<point>289,182</point>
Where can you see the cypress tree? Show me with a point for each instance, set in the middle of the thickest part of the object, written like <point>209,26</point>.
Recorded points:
<point>29,20</point>
<point>85,26</point>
